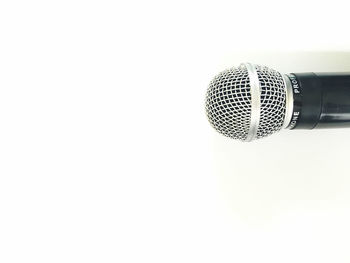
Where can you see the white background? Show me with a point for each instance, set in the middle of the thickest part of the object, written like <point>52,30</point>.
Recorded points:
<point>106,154</point>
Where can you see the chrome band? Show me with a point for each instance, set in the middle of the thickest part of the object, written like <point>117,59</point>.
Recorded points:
<point>255,101</point>
<point>289,101</point>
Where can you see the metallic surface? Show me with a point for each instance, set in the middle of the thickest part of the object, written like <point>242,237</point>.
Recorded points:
<point>289,102</point>
<point>248,102</point>
<point>255,101</point>
<point>228,104</point>
<point>273,101</point>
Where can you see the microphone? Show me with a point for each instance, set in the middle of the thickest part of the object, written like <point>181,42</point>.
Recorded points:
<point>252,102</point>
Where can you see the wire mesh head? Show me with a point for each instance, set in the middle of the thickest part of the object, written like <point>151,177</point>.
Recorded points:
<point>229,102</point>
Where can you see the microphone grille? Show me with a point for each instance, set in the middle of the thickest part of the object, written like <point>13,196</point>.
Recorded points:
<point>273,101</point>
<point>229,102</point>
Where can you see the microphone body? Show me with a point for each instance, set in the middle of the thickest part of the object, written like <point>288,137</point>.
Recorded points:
<point>320,100</point>
<point>251,102</point>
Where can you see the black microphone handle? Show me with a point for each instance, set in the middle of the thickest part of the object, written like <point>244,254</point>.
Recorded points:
<point>321,100</point>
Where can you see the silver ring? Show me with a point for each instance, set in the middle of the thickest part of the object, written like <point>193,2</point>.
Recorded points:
<point>289,102</point>
<point>255,101</point>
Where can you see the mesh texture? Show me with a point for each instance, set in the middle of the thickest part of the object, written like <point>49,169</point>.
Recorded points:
<point>228,102</point>
<point>272,100</point>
